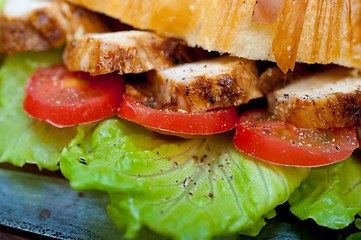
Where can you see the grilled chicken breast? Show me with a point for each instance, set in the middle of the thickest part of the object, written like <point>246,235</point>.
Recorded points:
<point>126,52</point>
<point>41,24</point>
<point>207,84</point>
<point>328,99</point>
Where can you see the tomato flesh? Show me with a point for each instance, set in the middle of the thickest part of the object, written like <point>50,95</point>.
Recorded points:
<point>63,98</point>
<point>263,137</point>
<point>186,125</point>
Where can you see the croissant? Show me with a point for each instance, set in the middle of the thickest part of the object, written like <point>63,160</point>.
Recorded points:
<point>308,31</point>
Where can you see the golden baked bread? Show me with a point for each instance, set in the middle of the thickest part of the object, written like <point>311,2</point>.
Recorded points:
<point>331,30</point>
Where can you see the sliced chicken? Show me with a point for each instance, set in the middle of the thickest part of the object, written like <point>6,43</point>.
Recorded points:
<point>328,99</point>
<point>207,84</point>
<point>41,24</point>
<point>126,52</point>
<point>273,78</point>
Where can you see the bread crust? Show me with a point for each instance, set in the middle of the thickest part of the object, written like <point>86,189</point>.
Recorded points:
<point>331,31</point>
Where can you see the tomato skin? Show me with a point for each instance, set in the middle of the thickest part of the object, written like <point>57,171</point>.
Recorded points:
<point>186,125</point>
<point>63,98</point>
<point>278,142</point>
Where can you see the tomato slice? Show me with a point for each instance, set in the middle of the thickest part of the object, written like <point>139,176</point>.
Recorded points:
<point>63,98</point>
<point>260,135</point>
<point>187,125</point>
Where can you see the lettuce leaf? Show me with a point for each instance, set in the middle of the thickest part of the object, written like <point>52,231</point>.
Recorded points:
<point>331,195</point>
<point>2,56</point>
<point>356,236</point>
<point>24,139</point>
<point>1,4</point>
<point>185,189</point>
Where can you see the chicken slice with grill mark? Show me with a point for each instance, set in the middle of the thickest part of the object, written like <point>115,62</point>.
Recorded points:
<point>273,78</point>
<point>41,24</point>
<point>125,51</point>
<point>328,99</point>
<point>219,82</point>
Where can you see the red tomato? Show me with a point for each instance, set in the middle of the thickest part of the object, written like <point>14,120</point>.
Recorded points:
<point>271,140</point>
<point>63,98</point>
<point>186,125</point>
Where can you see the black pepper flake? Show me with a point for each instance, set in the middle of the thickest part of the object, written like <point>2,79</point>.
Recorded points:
<point>210,195</point>
<point>150,106</point>
<point>186,182</point>
<point>211,100</point>
<point>190,194</point>
<point>337,147</point>
<point>187,92</point>
<point>267,131</point>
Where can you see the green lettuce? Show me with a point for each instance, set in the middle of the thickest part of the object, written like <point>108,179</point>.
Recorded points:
<point>24,139</point>
<point>2,56</point>
<point>356,236</point>
<point>331,195</point>
<point>1,4</point>
<point>185,189</point>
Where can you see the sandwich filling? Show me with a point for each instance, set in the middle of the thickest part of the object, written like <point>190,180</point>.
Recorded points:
<point>165,128</point>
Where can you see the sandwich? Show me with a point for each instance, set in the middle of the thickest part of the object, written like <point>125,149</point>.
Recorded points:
<point>198,118</point>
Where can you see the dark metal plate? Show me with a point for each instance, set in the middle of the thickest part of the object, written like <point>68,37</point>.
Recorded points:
<point>47,206</point>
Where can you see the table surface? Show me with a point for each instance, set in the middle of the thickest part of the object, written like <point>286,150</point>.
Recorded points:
<point>82,215</point>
